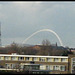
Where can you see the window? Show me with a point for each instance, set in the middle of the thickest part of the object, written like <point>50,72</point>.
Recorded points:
<point>56,60</point>
<point>35,67</point>
<point>1,58</point>
<point>56,67</point>
<point>42,59</point>
<point>47,67</point>
<point>35,59</point>
<point>27,58</point>
<point>13,58</point>
<point>22,66</point>
<point>21,58</point>
<point>49,59</point>
<point>8,66</point>
<point>13,66</point>
<point>63,60</point>
<point>62,68</point>
<point>51,67</point>
<point>42,67</point>
<point>74,63</point>
<point>34,72</point>
<point>73,59</point>
<point>7,58</point>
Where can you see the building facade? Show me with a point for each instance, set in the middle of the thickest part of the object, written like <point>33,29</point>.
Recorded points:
<point>36,63</point>
<point>71,64</point>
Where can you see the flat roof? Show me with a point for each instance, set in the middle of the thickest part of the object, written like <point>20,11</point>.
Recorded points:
<point>34,56</point>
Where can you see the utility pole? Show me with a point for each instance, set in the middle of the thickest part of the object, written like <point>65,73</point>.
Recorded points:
<point>0,35</point>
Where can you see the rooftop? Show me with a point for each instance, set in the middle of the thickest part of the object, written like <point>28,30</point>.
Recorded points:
<point>33,56</point>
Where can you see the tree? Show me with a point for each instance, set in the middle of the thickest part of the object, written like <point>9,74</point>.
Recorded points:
<point>46,48</point>
<point>46,42</point>
<point>15,47</point>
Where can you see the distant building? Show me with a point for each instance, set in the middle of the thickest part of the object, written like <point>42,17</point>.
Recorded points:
<point>73,51</point>
<point>37,47</point>
<point>13,53</point>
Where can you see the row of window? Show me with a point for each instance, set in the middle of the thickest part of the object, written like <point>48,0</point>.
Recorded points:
<point>35,59</point>
<point>36,67</point>
<point>55,59</point>
<point>73,65</point>
<point>53,67</point>
<point>56,67</point>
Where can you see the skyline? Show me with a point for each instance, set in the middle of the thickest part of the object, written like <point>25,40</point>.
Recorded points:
<point>19,20</point>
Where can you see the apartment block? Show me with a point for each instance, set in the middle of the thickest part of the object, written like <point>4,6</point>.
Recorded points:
<point>36,63</point>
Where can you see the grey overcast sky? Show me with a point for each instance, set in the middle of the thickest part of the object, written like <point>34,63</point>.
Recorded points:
<point>20,19</point>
